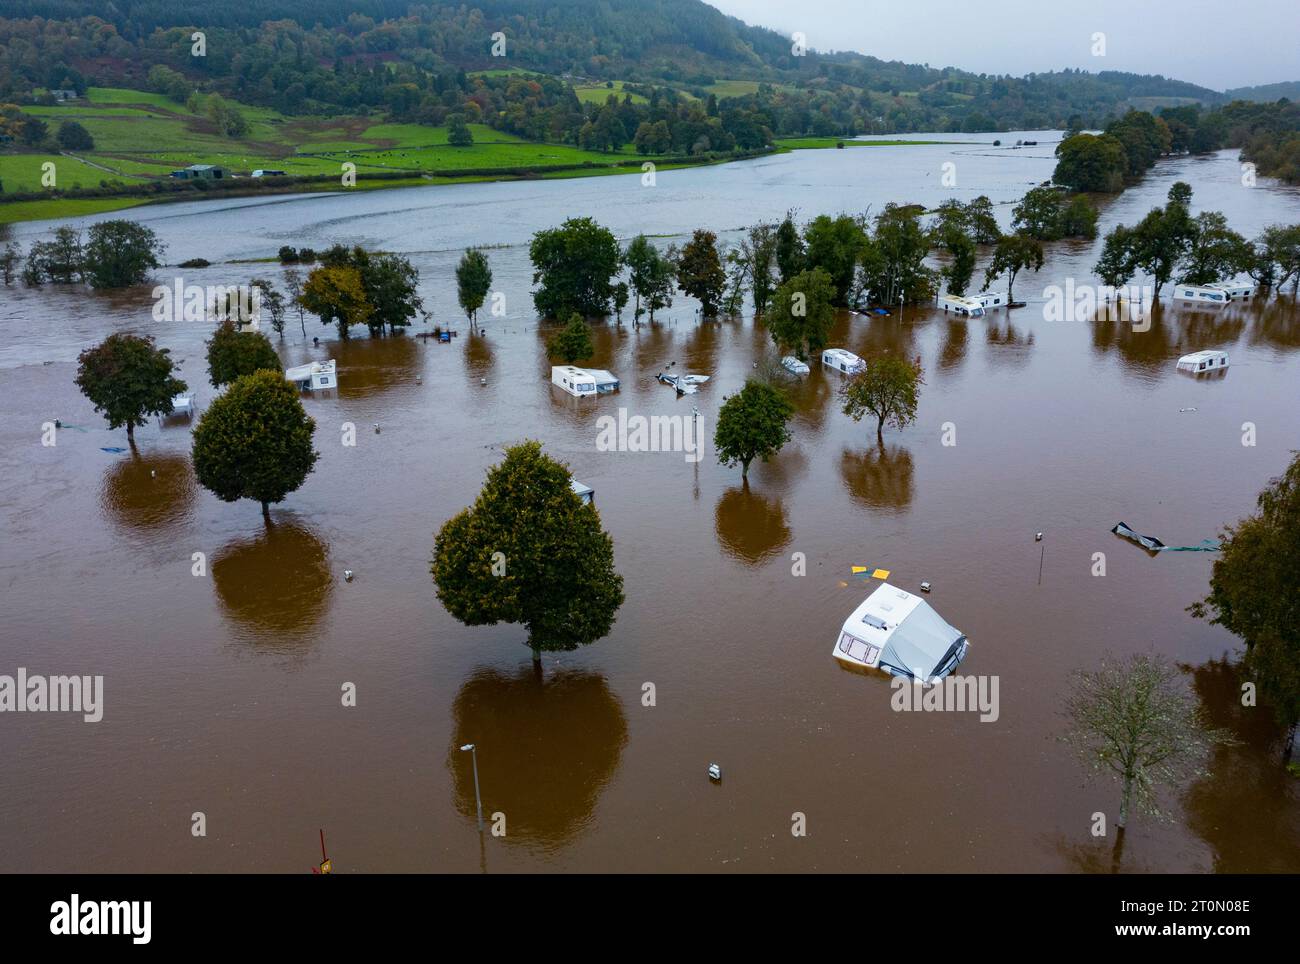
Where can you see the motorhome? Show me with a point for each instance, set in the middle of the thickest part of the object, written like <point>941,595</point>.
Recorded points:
<point>1236,291</point>
<point>1205,294</point>
<point>582,382</point>
<point>1201,362</point>
<point>899,633</point>
<point>962,306</point>
<point>843,360</point>
<point>313,376</point>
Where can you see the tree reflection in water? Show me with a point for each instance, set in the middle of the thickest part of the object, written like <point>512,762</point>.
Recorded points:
<point>750,526</point>
<point>275,588</point>
<point>879,478</point>
<point>547,748</point>
<point>149,494</point>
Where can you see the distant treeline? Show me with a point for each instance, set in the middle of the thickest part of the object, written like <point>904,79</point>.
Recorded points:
<point>304,56</point>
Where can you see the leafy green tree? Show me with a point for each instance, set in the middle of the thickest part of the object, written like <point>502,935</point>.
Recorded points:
<point>458,132</point>
<point>888,387</point>
<point>957,274</point>
<point>1038,215</point>
<point>1214,252</point>
<point>1079,219</point>
<point>335,295</point>
<point>1161,240</point>
<point>1134,720</point>
<point>233,353</point>
<point>572,342</point>
<point>1013,254</point>
<point>473,282</point>
<point>293,285</point>
<point>390,283</point>
<point>789,248</point>
<point>1115,266</point>
<point>893,266</point>
<point>757,251</point>
<point>574,266</point>
<point>981,222</point>
<point>58,261</point>
<point>835,245</point>
<point>120,253</point>
<point>652,276</point>
<point>1255,594</point>
<point>1091,162</point>
<point>700,273</point>
<point>73,137</point>
<point>752,425</point>
<point>255,441</point>
<point>802,313</point>
<point>1277,257</point>
<point>129,379</point>
<point>529,551</point>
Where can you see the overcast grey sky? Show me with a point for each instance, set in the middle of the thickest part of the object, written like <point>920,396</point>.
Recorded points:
<point>1215,43</point>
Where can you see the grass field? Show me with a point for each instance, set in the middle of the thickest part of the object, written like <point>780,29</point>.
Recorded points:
<point>599,93</point>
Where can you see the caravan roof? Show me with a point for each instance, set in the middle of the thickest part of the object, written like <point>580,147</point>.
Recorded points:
<point>900,633</point>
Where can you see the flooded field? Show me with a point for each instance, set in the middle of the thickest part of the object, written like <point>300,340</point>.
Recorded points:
<point>222,692</point>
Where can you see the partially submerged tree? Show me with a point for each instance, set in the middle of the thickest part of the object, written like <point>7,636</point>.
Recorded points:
<point>473,281</point>
<point>801,315</point>
<point>272,303</point>
<point>572,342</point>
<point>888,387</point>
<point>752,425</point>
<point>335,295</point>
<point>651,276</point>
<point>129,379</point>
<point>1134,720</point>
<point>574,266</point>
<point>700,273</point>
<point>1255,594</point>
<point>120,253</point>
<point>530,551</point>
<point>1014,253</point>
<point>255,441</point>
<point>233,353</point>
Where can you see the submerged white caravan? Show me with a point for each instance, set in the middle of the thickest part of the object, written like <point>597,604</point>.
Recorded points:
<point>1200,362</point>
<point>582,382</point>
<point>900,633</point>
<point>1235,290</point>
<point>843,360</point>
<point>1206,294</point>
<point>962,306</point>
<point>314,375</point>
<point>992,299</point>
<point>794,366</point>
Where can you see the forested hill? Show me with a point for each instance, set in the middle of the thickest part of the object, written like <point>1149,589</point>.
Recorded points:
<point>266,51</point>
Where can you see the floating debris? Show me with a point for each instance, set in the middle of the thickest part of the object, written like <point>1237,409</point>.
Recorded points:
<point>715,772</point>
<point>347,575</point>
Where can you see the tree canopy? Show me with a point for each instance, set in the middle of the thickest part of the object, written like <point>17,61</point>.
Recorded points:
<point>752,425</point>
<point>129,379</point>
<point>530,551</point>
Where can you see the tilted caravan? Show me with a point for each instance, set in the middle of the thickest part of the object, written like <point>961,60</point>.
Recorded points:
<point>314,375</point>
<point>899,633</point>
<point>1236,291</point>
<point>962,306</point>
<point>843,360</point>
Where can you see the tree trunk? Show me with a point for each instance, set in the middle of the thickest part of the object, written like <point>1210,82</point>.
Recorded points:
<point>744,469</point>
<point>880,432</point>
<point>1124,802</point>
<point>266,512</point>
<point>1117,853</point>
<point>130,432</point>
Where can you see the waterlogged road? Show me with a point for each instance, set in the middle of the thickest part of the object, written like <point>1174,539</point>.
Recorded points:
<point>222,692</point>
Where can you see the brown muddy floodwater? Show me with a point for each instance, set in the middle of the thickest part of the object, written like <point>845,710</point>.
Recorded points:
<point>222,692</point>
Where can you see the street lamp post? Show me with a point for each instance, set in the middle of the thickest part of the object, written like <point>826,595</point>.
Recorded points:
<point>472,750</point>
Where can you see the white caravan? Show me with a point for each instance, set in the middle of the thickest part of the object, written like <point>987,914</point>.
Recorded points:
<point>843,360</point>
<point>901,634</point>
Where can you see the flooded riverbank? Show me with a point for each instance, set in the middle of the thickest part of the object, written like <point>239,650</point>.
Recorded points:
<point>222,692</point>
